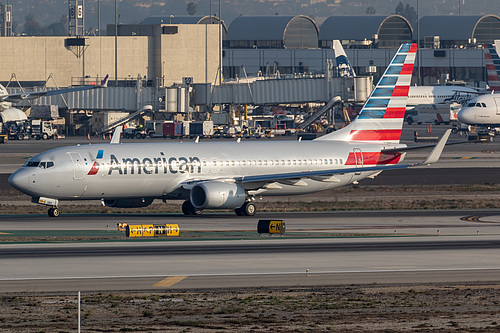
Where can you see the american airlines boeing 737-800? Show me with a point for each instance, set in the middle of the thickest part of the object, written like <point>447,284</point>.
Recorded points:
<point>229,175</point>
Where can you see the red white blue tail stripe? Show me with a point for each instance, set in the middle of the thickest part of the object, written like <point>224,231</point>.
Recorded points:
<point>381,118</point>
<point>492,66</point>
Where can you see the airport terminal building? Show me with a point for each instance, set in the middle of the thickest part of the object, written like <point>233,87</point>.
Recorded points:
<point>164,49</point>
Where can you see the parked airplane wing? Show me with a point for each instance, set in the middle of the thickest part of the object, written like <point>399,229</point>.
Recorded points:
<point>16,98</point>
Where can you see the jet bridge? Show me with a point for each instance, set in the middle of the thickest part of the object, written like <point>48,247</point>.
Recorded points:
<point>273,91</point>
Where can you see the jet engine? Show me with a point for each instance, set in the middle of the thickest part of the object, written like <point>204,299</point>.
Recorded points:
<point>215,194</point>
<point>128,203</point>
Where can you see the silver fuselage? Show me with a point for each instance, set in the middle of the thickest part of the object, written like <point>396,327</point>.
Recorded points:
<point>160,170</point>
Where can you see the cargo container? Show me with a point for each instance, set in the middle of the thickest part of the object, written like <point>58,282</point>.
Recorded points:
<point>44,112</point>
<point>173,130</point>
<point>201,128</point>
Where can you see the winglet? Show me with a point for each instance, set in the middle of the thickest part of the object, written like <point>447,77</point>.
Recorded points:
<point>104,83</point>
<point>438,149</point>
<point>116,135</point>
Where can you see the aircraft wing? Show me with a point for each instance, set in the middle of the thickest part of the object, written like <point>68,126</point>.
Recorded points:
<point>432,158</point>
<point>16,98</point>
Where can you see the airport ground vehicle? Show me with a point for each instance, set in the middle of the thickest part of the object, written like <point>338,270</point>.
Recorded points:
<point>18,130</point>
<point>433,113</point>
<point>43,129</point>
<point>134,132</point>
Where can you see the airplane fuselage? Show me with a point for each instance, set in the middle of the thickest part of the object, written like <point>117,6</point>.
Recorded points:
<point>418,95</point>
<point>157,170</point>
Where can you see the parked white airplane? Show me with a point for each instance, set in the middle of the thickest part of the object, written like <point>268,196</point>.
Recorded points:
<point>228,175</point>
<point>484,110</point>
<point>7,99</point>
<point>417,95</point>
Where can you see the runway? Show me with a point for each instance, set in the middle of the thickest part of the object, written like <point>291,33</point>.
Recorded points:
<point>219,250</point>
<point>318,249</point>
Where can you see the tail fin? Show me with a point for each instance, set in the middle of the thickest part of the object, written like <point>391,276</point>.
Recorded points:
<point>381,118</point>
<point>492,66</point>
<point>344,67</point>
<point>104,83</point>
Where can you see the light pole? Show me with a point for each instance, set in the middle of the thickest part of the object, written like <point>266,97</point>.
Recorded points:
<point>116,45</point>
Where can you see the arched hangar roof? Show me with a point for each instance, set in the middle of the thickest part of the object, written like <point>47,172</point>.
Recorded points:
<point>293,31</point>
<point>485,28</point>
<point>392,29</point>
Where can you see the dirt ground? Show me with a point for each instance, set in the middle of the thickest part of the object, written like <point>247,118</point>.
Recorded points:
<point>347,198</point>
<point>372,308</point>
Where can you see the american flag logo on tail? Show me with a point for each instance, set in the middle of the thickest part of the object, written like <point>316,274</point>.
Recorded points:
<point>381,118</point>
<point>492,66</point>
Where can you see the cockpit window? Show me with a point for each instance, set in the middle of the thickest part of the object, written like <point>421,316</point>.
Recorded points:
<point>484,105</point>
<point>38,164</point>
<point>478,105</point>
<point>32,164</point>
<point>471,105</point>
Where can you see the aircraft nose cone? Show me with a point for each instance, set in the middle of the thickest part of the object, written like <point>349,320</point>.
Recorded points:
<point>19,180</point>
<point>464,116</point>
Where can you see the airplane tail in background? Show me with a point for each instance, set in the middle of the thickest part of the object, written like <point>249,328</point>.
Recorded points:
<point>344,67</point>
<point>492,66</point>
<point>381,118</point>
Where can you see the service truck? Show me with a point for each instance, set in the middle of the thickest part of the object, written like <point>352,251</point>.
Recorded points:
<point>43,129</point>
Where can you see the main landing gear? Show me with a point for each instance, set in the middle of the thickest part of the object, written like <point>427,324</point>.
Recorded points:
<point>189,209</point>
<point>53,212</point>
<point>248,209</point>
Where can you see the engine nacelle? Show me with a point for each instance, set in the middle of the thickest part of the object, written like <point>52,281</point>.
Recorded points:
<point>128,203</point>
<point>215,194</point>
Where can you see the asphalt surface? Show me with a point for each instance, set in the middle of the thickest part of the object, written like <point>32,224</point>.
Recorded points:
<point>319,248</point>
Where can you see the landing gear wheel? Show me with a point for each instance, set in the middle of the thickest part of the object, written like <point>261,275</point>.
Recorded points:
<point>239,211</point>
<point>189,209</point>
<point>248,209</point>
<point>54,212</point>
